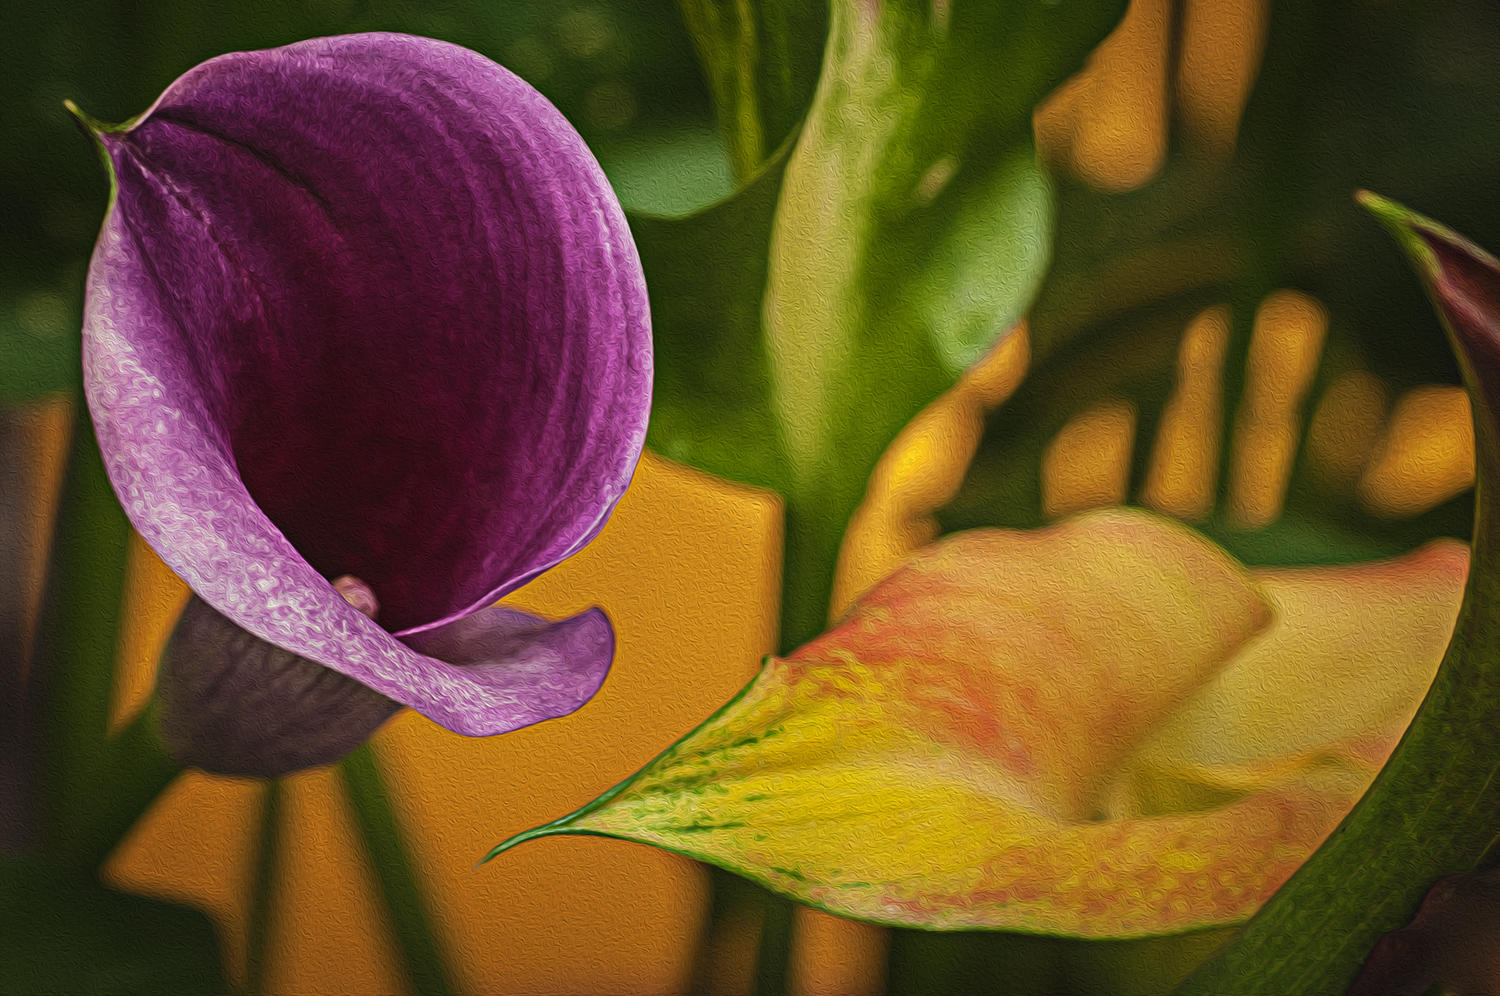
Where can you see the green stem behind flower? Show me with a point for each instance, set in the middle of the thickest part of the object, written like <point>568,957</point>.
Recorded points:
<point>381,831</point>
<point>262,886</point>
<point>96,786</point>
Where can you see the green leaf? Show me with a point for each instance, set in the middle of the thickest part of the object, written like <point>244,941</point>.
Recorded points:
<point>902,234</point>
<point>77,632</point>
<point>1431,812</point>
<point>803,322</point>
<point>68,935</point>
<point>707,275</point>
<point>761,60</point>
<point>914,224</point>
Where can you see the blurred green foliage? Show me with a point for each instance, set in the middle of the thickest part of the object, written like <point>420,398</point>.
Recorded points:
<point>1351,94</point>
<point>61,934</point>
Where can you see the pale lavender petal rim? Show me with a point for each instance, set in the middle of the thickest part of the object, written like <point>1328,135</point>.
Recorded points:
<point>234,557</point>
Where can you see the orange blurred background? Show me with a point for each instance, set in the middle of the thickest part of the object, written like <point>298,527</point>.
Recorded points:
<point>688,570</point>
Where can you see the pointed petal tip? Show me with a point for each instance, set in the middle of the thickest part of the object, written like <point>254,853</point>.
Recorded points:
<point>92,126</point>
<point>1411,231</point>
<point>79,116</point>
<point>85,121</point>
<point>1419,235</point>
<point>545,830</point>
<point>1463,281</point>
<point>1404,225</point>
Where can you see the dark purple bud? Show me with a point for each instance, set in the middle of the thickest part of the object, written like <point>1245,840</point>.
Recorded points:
<point>233,704</point>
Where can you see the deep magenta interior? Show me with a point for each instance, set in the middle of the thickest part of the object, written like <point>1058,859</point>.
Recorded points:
<point>413,337</point>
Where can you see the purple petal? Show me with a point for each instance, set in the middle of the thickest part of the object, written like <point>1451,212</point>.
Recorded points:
<point>548,669</point>
<point>365,305</point>
<point>233,704</point>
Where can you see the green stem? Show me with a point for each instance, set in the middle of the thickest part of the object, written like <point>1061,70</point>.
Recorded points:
<point>814,530</point>
<point>262,888</point>
<point>394,872</point>
<point>774,955</point>
<point>133,769</point>
<point>734,905</point>
<point>96,788</point>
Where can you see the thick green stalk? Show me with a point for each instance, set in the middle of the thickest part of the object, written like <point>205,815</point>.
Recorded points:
<point>95,787</point>
<point>134,768</point>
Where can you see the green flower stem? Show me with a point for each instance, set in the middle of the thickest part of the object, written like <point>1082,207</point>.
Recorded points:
<point>133,769</point>
<point>378,826</point>
<point>81,615</point>
<point>814,531</point>
<point>262,886</point>
<point>95,788</point>
<point>815,527</point>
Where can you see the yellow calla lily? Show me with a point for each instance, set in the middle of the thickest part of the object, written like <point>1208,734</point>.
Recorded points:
<point>1104,728</point>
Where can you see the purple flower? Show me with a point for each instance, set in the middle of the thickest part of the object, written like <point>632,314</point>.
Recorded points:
<point>363,310</point>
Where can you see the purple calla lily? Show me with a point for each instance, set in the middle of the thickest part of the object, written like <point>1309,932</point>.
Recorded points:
<point>366,338</point>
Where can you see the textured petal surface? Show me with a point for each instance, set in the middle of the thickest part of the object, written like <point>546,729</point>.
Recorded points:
<point>1345,658</point>
<point>365,305</point>
<point>233,704</point>
<point>969,747</point>
<point>553,667</point>
<point>941,758</point>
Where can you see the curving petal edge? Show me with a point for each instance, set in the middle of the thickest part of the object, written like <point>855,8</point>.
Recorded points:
<point>957,752</point>
<point>366,305</point>
<point>938,758</point>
